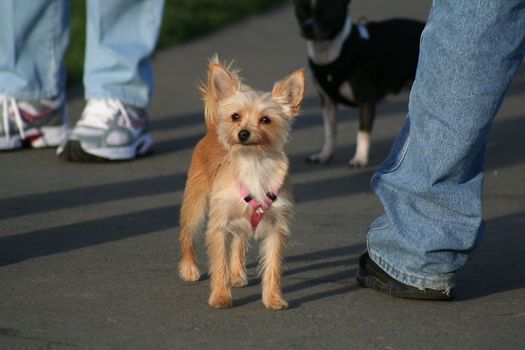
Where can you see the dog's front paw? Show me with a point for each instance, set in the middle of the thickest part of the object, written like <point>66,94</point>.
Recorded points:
<point>275,302</point>
<point>220,300</point>
<point>358,162</point>
<point>188,271</point>
<point>319,158</point>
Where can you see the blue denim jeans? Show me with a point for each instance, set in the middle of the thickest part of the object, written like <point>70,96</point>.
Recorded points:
<point>121,35</point>
<point>431,183</point>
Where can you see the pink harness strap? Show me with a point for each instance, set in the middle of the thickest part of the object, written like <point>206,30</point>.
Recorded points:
<point>258,207</point>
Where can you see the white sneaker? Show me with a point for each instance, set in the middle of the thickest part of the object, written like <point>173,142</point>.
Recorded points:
<point>108,130</point>
<point>35,123</point>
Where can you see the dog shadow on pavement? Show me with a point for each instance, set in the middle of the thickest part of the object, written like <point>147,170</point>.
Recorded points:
<point>311,276</point>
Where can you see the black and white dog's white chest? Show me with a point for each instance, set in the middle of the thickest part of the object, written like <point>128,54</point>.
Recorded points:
<point>336,77</point>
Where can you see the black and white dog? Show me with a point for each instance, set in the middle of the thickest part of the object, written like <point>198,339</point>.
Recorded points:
<point>355,65</point>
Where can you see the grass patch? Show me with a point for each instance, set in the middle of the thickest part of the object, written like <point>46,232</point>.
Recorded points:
<point>182,20</point>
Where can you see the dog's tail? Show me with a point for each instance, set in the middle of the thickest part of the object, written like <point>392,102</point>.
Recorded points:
<point>209,93</point>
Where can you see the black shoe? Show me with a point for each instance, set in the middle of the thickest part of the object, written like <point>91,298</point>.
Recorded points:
<point>370,275</point>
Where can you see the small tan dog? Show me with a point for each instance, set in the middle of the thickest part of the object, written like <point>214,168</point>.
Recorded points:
<point>239,176</point>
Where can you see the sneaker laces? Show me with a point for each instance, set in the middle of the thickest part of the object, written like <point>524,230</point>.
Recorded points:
<point>99,112</point>
<point>9,103</point>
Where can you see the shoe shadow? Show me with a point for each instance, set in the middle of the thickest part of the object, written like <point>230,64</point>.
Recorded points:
<point>497,265</point>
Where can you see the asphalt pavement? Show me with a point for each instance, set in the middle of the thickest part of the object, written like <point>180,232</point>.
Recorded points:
<point>88,252</point>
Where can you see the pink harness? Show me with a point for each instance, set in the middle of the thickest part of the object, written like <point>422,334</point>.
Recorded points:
<point>258,207</point>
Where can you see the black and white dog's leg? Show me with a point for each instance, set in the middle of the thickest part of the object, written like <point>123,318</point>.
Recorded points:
<point>330,131</point>
<point>367,113</point>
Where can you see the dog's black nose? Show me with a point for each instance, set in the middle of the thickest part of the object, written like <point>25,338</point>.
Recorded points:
<point>243,135</point>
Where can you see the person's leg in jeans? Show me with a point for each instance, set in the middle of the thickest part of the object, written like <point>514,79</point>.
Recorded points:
<point>33,40</point>
<point>118,80</point>
<point>431,183</point>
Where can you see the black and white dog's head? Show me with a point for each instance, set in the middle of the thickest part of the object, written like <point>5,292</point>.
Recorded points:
<point>321,19</point>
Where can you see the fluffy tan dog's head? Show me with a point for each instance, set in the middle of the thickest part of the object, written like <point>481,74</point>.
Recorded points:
<point>248,120</point>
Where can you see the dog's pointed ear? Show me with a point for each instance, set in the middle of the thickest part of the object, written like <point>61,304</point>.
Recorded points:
<point>290,91</point>
<point>222,82</point>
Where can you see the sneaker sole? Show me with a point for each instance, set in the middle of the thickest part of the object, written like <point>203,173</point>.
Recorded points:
<point>378,285</point>
<point>44,137</point>
<point>14,142</point>
<point>47,136</point>
<point>73,151</point>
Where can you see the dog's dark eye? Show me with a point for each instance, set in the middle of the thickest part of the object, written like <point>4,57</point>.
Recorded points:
<point>236,117</point>
<point>265,120</point>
